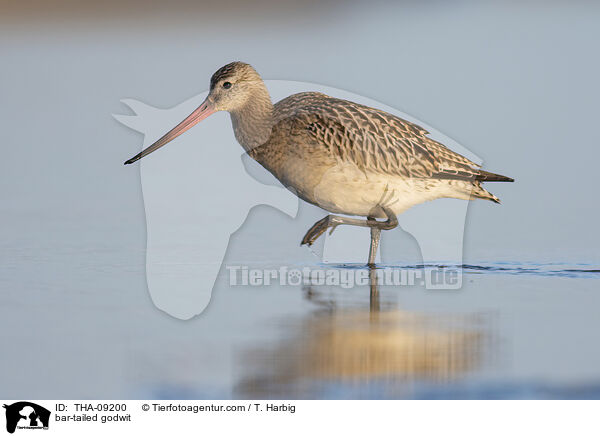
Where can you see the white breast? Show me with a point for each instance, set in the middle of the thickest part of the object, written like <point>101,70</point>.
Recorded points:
<point>347,190</point>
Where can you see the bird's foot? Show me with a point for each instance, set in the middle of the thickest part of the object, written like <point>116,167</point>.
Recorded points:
<point>318,229</point>
<point>332,221</point>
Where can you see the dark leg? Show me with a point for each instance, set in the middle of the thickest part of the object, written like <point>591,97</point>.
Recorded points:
<point>374,296</point>
<point>332,221</point>
<point>375,236</point>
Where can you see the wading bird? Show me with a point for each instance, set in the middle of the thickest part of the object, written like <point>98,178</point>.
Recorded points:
<point>344,157</point>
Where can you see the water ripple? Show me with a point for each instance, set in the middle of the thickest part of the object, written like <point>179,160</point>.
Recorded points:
<point>579,270</point>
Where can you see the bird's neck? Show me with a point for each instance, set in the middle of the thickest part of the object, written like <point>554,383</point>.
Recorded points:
<point>252,123</point>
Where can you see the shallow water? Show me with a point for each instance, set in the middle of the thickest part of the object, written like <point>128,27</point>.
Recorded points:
<point>514,330</point>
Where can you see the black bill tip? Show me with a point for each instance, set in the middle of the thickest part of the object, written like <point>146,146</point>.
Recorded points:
<point>132,160</point>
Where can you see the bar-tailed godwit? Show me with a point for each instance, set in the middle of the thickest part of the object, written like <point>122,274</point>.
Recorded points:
<point>344,157</point>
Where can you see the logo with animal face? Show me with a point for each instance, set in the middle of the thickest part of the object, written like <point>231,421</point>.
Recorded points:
<point>26,415</point>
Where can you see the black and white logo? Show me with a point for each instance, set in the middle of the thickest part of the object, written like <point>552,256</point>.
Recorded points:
<point>26,415</point>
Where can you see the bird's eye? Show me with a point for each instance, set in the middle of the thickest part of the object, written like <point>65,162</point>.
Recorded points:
<point>227,85</point>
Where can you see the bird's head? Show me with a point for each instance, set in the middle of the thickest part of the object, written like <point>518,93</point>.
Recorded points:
<point>231,88</point>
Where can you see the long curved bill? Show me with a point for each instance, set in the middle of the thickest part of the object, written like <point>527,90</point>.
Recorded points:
<point>202,112</point>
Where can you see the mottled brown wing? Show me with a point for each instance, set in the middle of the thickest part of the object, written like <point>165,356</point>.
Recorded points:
<point>377,141</point>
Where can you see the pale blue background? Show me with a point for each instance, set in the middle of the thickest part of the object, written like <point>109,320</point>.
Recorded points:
<point>515,83</point>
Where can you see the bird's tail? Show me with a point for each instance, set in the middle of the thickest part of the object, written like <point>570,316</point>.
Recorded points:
<point>484,176</point>
<point>477,191</point>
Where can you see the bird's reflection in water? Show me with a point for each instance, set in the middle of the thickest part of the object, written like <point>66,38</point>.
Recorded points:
<point>376,348</point>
